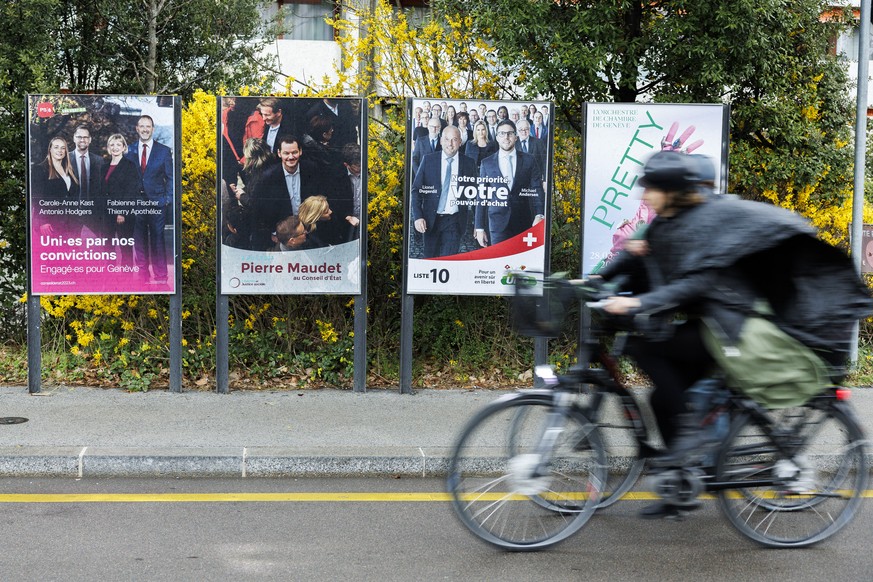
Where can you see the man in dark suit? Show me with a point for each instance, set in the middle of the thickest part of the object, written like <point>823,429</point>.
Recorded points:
<point>283,188</point>
<point>538,128</point>
<point>419,125</point>
<point>491,120</point>
<point>530,145</point>
<point>155,163</point>
<point>435,215</point>
<point>342,115</point>
<point>90,166</point>
<point>525,199</point>
<point>427,144</point>
<point>438,112</point>
<point>276,122</point>
<point>349,187</point>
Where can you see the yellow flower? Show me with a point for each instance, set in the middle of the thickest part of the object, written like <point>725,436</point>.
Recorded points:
<point>328,333</point>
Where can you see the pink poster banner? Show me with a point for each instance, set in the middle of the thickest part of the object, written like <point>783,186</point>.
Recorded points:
<point>101,194</point>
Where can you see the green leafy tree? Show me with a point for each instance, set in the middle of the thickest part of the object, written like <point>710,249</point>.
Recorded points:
<point>109,46</point>
<point>769,59</point>
<point>162,46</point>
<point>25,66</point>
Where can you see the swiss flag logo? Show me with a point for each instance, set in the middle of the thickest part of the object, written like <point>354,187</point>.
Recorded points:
<point>45,109</point>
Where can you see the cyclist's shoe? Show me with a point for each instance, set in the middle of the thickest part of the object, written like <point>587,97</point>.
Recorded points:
<point>691,443</point>
<point>665,510</point>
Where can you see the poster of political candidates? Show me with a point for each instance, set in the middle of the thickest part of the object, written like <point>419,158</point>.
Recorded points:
<point>619,139</point>
<point>102,183</point>
<point>291,195</point>
<point>478,194</point>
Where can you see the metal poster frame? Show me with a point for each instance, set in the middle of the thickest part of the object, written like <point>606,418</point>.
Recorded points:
<point>469,269</point>
<point>305,259</point>
<point>77,235</point>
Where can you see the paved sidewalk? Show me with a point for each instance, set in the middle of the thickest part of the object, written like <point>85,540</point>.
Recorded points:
<point>90,432</point>
<point>97,432</point>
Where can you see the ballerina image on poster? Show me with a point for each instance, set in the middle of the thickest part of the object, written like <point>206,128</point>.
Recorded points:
<point>644,214</point>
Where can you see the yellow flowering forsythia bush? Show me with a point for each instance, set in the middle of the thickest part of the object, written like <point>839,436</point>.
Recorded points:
<point>467,338</point>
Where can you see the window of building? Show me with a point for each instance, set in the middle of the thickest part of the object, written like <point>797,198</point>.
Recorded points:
<point>305,19</point>
<point>417,11</point>
<point>847,44</point>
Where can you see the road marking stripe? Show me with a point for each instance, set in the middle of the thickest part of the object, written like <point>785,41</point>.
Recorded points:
<point>271,497</point>
<point>214,497</point>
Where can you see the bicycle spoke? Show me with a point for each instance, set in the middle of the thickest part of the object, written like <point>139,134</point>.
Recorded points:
<point>511,492</point>
<point>796,499</point>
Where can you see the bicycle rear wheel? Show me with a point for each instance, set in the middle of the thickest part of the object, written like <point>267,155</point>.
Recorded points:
<point>499,476</point>
<point>797,499</point>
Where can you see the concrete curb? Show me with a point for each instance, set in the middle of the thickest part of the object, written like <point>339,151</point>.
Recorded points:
<point>254,462</point>
<point>244,462</point>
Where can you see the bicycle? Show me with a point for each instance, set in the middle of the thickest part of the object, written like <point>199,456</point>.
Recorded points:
<point>529,470</point>
<point>601,393</point>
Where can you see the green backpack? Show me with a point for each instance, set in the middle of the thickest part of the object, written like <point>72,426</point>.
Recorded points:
<point>766,364</point>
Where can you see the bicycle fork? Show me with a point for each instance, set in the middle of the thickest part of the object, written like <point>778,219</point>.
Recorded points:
<point>553,427</point>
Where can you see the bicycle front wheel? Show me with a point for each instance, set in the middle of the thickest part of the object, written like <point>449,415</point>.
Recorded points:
<point>623,432</point>
<point>796,499</point>
<point>501,472</point>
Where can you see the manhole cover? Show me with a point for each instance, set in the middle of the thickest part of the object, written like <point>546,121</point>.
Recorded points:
<point>12,419</point>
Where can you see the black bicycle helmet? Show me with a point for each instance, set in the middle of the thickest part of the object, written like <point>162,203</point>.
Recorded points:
<point>705,167</point>
<point>671,171</point>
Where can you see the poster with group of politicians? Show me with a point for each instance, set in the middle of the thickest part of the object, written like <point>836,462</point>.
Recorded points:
<point>479,193</point>
<point>103,176</point>
<point>291,204</point>
<point>619,138</point>
<point>101,193</point>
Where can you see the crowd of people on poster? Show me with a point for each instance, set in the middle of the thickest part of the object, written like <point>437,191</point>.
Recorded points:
<point>478,182</point>
<point>102,187</point>
<point>290,182</point>
<point>284,158</point>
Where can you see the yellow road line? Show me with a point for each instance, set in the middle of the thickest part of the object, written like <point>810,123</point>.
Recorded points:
<point>215,497</point>
<point>274,497</point>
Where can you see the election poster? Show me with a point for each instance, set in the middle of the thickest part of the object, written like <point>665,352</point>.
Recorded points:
<point>102,187</point>
<point>291,195</point>
<point>478,194</point>
<point>618,140</point>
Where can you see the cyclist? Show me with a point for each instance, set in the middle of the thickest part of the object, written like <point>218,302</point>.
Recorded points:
<point>761,296</point>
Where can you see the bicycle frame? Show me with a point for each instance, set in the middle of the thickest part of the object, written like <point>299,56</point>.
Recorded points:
<point>787,442</point>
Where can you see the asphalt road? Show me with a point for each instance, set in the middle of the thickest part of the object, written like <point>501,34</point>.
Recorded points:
<point>363,529</point>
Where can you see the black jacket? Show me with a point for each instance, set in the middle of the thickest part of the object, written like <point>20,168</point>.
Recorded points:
<point>719,258</point>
